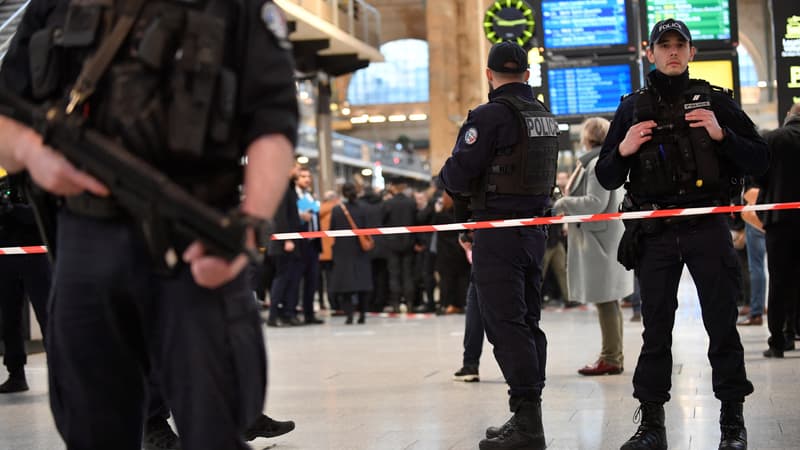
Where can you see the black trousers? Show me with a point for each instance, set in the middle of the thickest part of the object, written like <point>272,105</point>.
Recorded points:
<point>704,246</point>
<point>453,287</point>
<point>113,320</point>
<point>783,242</point>
<point>20,275</point>
<point>377,298</point>
<point>507,272</point>
<point>400,266</point>
<point>309,274</point>
<point>283,295</point>
<point>473,329</point>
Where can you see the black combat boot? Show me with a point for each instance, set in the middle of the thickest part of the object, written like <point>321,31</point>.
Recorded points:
<point>523,431</point>
<point>493,432</point>
<point>16,381</point>
<point>731,423</point>
<point>651,434</point>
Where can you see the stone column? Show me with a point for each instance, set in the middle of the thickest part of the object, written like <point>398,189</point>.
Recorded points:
<point>327,176</point>
<point>458,52</point>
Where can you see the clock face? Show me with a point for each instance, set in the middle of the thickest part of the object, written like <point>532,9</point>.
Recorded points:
<point>509,20</point>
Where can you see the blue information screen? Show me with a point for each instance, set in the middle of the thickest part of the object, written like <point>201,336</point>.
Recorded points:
<point>584,23</point>
<point>587,90</point>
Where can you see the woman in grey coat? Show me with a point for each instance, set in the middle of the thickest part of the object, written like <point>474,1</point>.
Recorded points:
<point>351,273</point>
<point>593,273</point>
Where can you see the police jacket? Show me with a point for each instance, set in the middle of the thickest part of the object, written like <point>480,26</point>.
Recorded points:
<point>741,152</point>
<point>781,183</point>
<point>287,220</point>
<point>399,211</point>
<point>191,86</point>
<point>490,127</point>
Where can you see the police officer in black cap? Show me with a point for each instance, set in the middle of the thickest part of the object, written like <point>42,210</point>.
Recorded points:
<point>680,143</point>
<point>504,166</point>
<point>192,87</point>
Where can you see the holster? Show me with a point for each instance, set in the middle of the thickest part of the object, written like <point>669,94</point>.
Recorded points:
<point>628,250</point>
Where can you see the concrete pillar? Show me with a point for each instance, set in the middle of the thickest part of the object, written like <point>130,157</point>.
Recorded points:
<point>327,176</point>
<point>458,52</point>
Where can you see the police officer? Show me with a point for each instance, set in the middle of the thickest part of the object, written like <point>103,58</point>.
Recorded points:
<point>20,275</point>
<point>682,143</point>
<point>193,88</point>
<point>780,184</point>
<point>504,162</point>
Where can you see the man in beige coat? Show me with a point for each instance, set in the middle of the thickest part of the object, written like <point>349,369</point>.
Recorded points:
<point>593,273</point>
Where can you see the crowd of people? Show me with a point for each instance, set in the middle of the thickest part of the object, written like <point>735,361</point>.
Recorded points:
<point>400,273</point>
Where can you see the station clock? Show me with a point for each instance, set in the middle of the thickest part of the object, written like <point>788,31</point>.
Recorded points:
<point>509,20</point>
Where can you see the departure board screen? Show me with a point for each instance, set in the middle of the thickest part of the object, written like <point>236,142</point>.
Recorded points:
<point>587,90</point>
<point>708,20</point>
<point>584,23</point>
<point>719,73</point>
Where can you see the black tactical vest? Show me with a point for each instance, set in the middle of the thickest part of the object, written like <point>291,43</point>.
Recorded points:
<point>529,167</point>
<point>678,160</point>
<point>170,93</point>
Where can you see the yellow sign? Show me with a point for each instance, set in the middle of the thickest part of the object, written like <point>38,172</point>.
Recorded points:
<point>793,27</point>
<point>718,73</point>
<point>794,77</point>
<point>3,172</point>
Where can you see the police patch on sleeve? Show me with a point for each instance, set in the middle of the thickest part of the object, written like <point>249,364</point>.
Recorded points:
<point>275,21</point>
<point>471,136</point>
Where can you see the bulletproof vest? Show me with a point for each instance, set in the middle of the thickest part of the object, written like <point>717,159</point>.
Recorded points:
<point>678,160</point>
<point>169,94</point>
<point>529,166</point>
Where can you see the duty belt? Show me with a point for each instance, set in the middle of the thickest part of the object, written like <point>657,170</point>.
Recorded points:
<point>503,215</point>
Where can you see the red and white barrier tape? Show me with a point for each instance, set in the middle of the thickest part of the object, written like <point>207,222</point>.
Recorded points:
<point>28,250</point>
<point>633,215</point>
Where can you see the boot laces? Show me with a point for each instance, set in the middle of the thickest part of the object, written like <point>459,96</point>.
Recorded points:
<point>637,415</point>
<point>643,432</point>
<point>508,429</point>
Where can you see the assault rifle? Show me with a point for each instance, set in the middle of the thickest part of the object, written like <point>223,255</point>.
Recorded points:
<point>144,192</point>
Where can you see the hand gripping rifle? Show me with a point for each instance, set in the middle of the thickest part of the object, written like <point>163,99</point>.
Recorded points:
<point>142,190</point>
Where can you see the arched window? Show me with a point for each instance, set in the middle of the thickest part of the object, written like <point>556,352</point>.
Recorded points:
<point>403,78</point>
<point>748,75</point>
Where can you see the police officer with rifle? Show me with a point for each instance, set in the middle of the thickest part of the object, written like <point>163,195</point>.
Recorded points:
<point>504,166</point>
<point>140,113</point>
<point>682,142</point>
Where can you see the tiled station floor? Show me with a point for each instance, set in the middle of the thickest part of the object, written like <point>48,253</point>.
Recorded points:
<point>388,385</point>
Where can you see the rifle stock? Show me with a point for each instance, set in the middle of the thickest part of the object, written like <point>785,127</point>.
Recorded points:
<point>141,189</point>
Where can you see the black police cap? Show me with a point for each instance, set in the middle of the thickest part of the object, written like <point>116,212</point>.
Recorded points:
<point>667,25</point>
<point>508,57</point>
